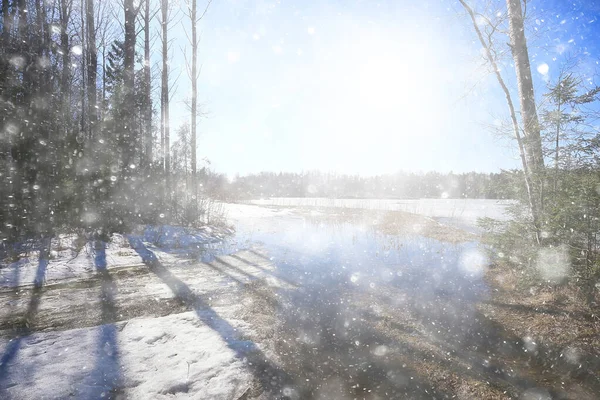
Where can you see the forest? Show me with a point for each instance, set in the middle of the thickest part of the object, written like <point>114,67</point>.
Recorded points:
<point>401,185</point>
<point>84,115</point>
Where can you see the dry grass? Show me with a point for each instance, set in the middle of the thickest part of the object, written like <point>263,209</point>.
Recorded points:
<point>557,315</point>
<point>557,318</point>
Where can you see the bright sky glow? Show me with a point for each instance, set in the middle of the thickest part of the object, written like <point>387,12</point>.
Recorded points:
<point>352,87</point>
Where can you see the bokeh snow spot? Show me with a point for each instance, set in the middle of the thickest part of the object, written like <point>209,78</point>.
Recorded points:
<point>543,69</point>
<point>77,50</point>
<point>529,344</point>
<point>553,263</point>
<point>572,355</point>
<point>473,262</point>
<point>17,62</point>
<point>90,217</point>
<point>11,129</point>
<point>290,393</point>
<point>536,394</point>
<point>44,62</point>
<point>380,351</point>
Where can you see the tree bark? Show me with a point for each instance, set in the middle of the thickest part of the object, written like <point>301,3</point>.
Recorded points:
<point>82,89</point>
<point>557,144</point>
<point>534,204</point>
<point>531,125</point>
<point>129,137</point>
<point>6,22</point>
<point>65,13</point>
<point>92,68</point>
<point>165,139</point>
<point>194,104</point>
<point>147,87</point>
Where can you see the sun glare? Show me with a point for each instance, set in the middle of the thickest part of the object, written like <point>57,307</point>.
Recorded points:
<point>389,102</point>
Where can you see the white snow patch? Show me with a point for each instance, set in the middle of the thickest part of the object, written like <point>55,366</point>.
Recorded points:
<point>161,358</point>
<point>180,237</point>
<point>70,260</point>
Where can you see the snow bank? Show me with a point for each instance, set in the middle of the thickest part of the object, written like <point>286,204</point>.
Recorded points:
<point>180,237</point>
<point>71,257</point>
<point>159,358</point>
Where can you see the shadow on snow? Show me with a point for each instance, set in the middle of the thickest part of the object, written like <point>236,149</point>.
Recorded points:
<point>24,329</point>
<point>272,378</point>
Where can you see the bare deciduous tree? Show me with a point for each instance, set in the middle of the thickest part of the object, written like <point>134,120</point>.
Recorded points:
<point>528,148</point>
<point>92,67</point>
<point>194,73</point>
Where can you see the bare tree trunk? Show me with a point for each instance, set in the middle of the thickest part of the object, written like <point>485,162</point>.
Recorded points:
<point>46,161</point>
<point>556,151</point>
<point>194,19</point>
<point>166,146</point>
<point>103,83</point>
<point>103,36</point>
<point>194,105</point>
<point>531,124</point>
<point>6,22</point>
<point>65,14</point>
<point>82,89</point>
<point>22,6</point>
<point>148,94</point>
<point>128,83</point>
<point>529,117</point>
<point>92,68</point>
<point>527,172</point>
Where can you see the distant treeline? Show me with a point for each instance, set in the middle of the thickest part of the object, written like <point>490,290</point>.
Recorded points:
<point>398,185</point>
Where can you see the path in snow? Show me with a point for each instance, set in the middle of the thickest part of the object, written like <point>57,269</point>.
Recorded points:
<point>163,326</point>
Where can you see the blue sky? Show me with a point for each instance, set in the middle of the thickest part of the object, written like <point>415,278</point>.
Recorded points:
<point>361,86</point>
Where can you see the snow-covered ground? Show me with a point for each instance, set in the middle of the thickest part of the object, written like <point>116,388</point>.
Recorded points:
<point>176,356</point>
<point>145,316</point>
<point>71,259</point>
<point>129,319</point>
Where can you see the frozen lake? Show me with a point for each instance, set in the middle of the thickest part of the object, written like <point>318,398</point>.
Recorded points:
<point>462,213</point>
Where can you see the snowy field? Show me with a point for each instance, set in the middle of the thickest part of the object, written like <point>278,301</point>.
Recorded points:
<point>462,213</point>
